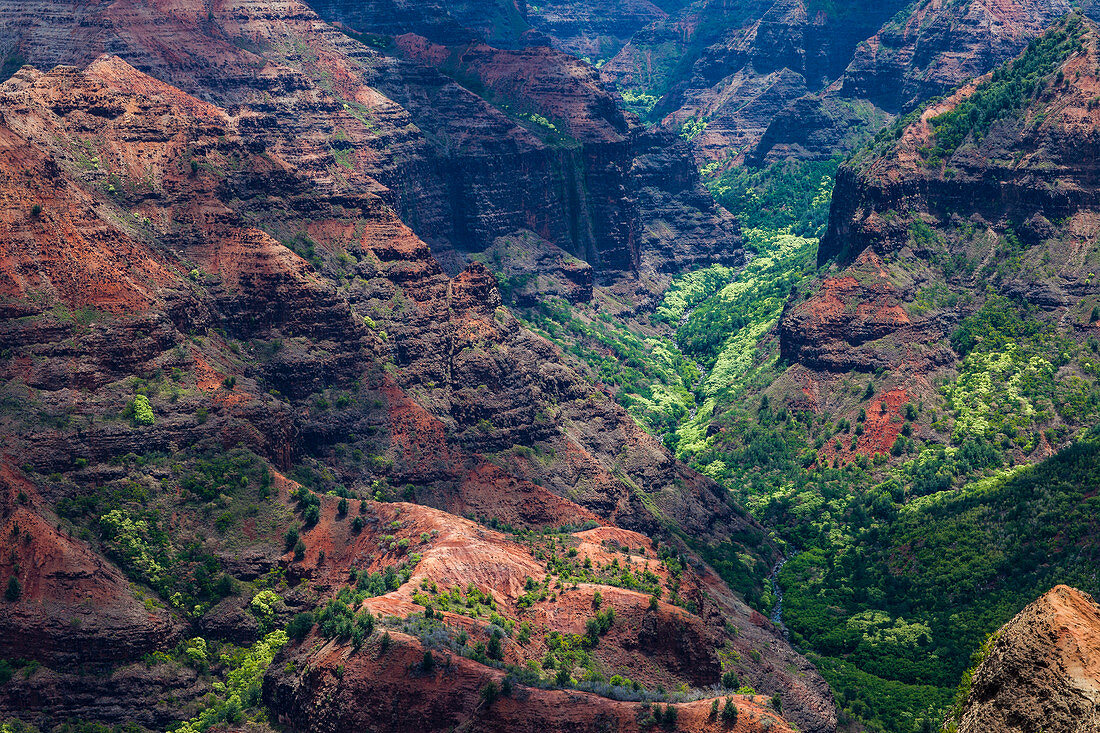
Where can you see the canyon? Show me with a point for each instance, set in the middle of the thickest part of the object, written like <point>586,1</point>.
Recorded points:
<point>394,366</point>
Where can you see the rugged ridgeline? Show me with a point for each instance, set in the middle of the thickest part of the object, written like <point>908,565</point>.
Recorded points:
<point>961,238</point>
<point>594,30</point>
<point>741,63</point>
<point>924,51</point>
<point>947,337</point>
<point>226,360</point>
<point>794,79</point>
<point>462,157</point>
<point>1041,671</point>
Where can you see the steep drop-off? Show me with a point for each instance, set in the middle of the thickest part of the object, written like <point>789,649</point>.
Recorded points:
<point>1041,670</point>
<point>952,225</point>
<point>459,168</point>
<point>191,310</point>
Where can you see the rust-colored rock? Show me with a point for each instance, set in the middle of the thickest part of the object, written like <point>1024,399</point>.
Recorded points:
<point>1042,671</point>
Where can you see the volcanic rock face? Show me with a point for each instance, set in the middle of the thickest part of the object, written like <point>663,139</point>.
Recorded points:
<point>764,56</point>
<point>1030,168</point>
<point>790,79</point>
<point>939,45</point>
<point>554,156</point>
<point>646,639</point>
<point>1042,671</point>
<point>181,279</point>
<point>923,236</point>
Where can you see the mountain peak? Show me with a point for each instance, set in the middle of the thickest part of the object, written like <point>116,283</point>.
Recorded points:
<point>1042,670</point>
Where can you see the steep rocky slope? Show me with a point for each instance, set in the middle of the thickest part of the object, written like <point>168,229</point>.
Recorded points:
<point>951,225</point>
<point>927,50</point>
<point>946,339</point>
<point>801,80</point>
<point>194,305</point>
<point>1040,670</point>
<point>594,30</point>
<point>752,59</point>
<point>460,168</point>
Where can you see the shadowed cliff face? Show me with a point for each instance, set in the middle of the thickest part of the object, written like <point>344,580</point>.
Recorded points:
<point>800,80</point>
<point>195,303</point>
<point>461,156</point>
<point>594,30</point>
<point>925,51</point>
<point>738,65</point>
<point>932,227</point>
<point>1039,670</point>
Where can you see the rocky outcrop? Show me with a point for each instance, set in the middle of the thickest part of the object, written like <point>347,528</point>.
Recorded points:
<point>652,642</point>
<point>1042,670</point>
<point>791,80</point>
<point>503,23</point>
<point>74,607</point>
<point>287,316</point>
<point>925,232</point>
<point>463,155</point>
<point>452,694</point>
<point>765,56</point>
<point>924,52</point>
<point>895,204</point>
<point>591,29</point>
<point>938,45</point>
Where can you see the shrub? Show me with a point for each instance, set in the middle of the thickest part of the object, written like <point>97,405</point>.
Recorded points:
<point>262,605</point>
<point>300,626</point>
<point>489,693</point>
<point>299,550</point>
<point>342,508</point>
<point>142,410</point>
<point>495,650</point>
<point>729,712</point>
<point>311,515</point>
<point>14,590</point>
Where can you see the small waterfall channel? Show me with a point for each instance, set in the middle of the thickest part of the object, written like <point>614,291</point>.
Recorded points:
<point>773,580</point>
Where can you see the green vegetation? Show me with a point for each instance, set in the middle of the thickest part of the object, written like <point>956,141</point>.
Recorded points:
<point>1007,382</point>
<point>639,103</point>
<point>721,332</point>
<point>341,618</point>
<point>142,411</point>
<point>909,557</point>
<point>219,474</point>
<point>13,590</point>
<point>789,197</point>
<point>236,699</point>
<point>1009,89</point>
<point>149,527</point>
<point>899,605</point>
<point>651,378</point>
<point>692,128</point>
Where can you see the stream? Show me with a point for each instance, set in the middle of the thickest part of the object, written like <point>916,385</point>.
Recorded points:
<point>773,579</point>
